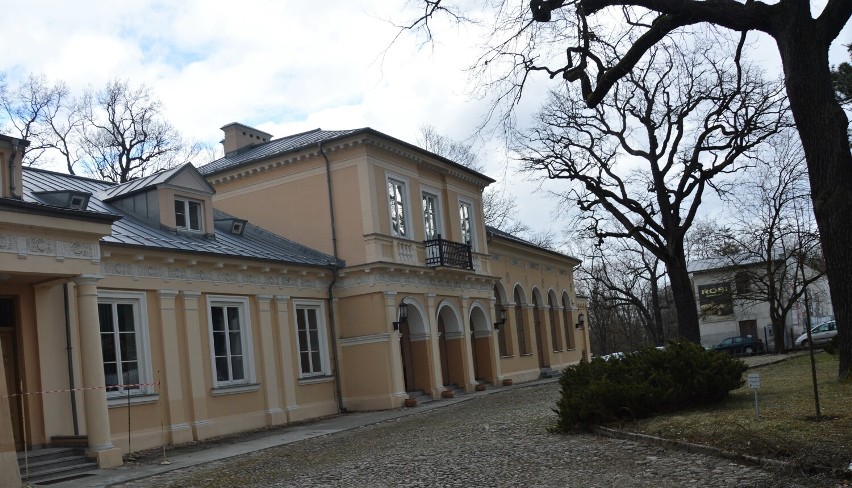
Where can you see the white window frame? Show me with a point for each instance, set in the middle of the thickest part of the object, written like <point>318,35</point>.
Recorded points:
<point>143,342</point>
<point>325,363</point>
<point>186,212</point>
<point>242,304</point>
<point>472,218</point>
<point>406,205</point>
<point>439,224</point>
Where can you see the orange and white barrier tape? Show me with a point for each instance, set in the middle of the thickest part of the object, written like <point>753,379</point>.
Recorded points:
<point>67,390</point>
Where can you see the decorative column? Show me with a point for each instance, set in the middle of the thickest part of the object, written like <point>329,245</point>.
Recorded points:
<point>9,474</point>
<point>547,326</point>
<point>288,356</point>
<point>467,351</point>
<point>97,414</point>
<point>494,357</point>
<point>274,414</point>
<point>397,382</point>
<point>171,389</point>
<point>510,331</point>
<point>196,333</point>
<point>434,347</point>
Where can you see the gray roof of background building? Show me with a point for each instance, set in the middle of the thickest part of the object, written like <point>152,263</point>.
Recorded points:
<point>255,243</point>
<point>304,140</point>
<point>718,263</point>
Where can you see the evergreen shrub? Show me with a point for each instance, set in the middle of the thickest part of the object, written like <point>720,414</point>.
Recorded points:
<point>644,383</point>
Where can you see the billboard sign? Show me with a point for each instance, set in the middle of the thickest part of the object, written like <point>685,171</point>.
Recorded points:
<point>716,299</point>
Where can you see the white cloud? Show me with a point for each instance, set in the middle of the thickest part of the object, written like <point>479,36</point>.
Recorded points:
<point>284,66</point>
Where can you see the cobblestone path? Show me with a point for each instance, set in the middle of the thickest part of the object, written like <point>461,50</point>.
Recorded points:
<point>500,439</point>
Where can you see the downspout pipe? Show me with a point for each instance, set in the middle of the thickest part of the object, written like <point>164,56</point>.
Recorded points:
<point>69,350</point>
<point>338,393</point>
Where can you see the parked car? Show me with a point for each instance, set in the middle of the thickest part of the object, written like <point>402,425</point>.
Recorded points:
<point>820,334</point>
<point>741,345</point>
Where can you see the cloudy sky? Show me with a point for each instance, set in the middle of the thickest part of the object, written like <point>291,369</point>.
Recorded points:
<point>283,66</point>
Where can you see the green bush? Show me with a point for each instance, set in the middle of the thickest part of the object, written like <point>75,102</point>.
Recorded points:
<point>645,383</point>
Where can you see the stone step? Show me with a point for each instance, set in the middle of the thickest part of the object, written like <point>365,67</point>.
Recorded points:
<point>549,373</point>
<point>52,463</point>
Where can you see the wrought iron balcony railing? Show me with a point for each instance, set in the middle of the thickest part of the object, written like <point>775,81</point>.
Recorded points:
<point>441,252</point>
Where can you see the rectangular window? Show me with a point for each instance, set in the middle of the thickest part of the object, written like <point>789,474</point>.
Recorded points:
<point>398,207</point>
<point>466,217</point>
<point>310,332</point>
<point>188,215</point>
<point>124,343</point>
<point>230,339</point>
<point>430,215</point>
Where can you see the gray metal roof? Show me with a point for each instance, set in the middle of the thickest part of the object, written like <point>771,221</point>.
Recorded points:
<point>274,147</point>
<point>141,184</point>
<point>307,139</point>
<point>255,243</point>
<point>494,231</point>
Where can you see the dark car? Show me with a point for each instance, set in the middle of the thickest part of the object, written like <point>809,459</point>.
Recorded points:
<point>740,345</point>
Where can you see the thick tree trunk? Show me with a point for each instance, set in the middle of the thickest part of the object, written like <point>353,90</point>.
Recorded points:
<point>778,334</point>
<point>822,126</point>
<point>656,324</point>
<point>684,298</point>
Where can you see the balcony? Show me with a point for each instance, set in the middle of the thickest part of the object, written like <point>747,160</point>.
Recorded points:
<point>441,252</point>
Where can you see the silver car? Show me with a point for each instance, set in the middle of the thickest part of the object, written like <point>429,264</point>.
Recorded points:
<point>820,334</point>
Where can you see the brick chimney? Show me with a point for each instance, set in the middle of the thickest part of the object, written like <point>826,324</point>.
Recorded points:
<point>238,136</point>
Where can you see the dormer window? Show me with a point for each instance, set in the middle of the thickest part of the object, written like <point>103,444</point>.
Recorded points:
<point>73,199</point>
<point>188,215</point>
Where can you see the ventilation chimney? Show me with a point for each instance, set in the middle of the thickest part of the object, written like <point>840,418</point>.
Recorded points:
<point>11,158</point>
<point>239,136</point>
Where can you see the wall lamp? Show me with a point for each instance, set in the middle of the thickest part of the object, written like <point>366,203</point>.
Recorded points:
<point>401,316</point>
<point>501,316</point>
<point>581,321</point>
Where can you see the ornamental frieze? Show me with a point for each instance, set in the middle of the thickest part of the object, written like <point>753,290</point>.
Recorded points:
<point>194,273</point>
<point>25,246</point>
<point>413,280</point>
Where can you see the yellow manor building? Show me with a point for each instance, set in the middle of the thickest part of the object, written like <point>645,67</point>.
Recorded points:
<point>294,278</point>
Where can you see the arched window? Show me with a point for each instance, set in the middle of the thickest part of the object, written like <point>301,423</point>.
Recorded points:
<point>554,328</point>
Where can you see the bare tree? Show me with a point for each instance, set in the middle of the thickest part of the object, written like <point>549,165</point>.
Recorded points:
<point>684,121</point>
<point>26,107</point>
<point>124,135</point>
<point>529,40</point>
<point>774,237</point>
<point>626,276</point>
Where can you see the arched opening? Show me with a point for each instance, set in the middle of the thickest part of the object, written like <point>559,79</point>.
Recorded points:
<point>538,330</point>
<point>414,348</point>
<point>553,319</point>
<point>481,345</point>
<point>520,326</point>
<point>450,345</point>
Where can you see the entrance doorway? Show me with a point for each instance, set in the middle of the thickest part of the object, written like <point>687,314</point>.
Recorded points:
<point>8,346</point>
<point>748,328</point>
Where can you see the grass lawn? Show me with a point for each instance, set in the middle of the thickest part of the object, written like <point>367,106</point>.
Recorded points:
<point>786,429</point>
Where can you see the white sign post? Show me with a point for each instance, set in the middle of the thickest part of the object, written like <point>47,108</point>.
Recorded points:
<point>754,384</point>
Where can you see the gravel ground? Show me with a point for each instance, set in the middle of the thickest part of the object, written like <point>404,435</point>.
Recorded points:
<point>500,439</point>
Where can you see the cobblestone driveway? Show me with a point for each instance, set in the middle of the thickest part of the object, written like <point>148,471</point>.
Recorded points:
<point>495,440</point>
